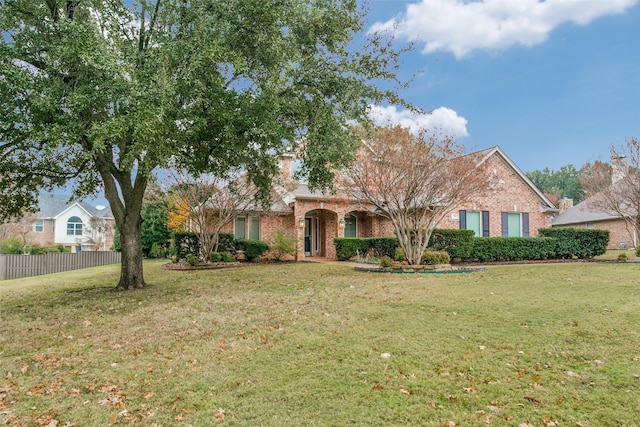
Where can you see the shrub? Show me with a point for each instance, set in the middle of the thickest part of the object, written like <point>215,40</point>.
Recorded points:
<point>457,243</point>
<point>622,258</point>
<point>186,242</point>
<point>512,248</point>
<point>226,243</point>
<point>385,261</point>
<point>11,246</point>
<point>226,257</point>
<point>155,251</point>
<point>252,248</point>
<point>347,247</point>
<point>579,242</point>
<point>638,251</point>
<point>399,255</point>
<point>381,246</point>
<point>191,259</point>
<point>283,244</point>
<point>435,257</point>
<point>221,257</point>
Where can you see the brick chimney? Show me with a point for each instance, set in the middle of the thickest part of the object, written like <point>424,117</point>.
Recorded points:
<point>564,204</point>
<point>619,168</point>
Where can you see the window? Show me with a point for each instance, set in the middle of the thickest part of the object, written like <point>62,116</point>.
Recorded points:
<point>74,226</point>
<point>240,227</point>
<point>38,226</point>
<point>247,226</point>
<point>350,226</point>
<point>478,221</point>
<point>254,228</point>
<point>515,224</point>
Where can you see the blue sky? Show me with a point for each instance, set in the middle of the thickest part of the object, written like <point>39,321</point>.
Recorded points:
<point>552,82</point>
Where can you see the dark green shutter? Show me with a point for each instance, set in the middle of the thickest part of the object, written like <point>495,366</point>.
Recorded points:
<point>504,218</point>
<point>525,224</point>
<point>485,223</point>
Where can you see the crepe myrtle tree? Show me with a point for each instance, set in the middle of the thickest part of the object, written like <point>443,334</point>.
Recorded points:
<point>414,181</point>
<point>209,202</point>
<point>614,188</point>
<point>101,94</point>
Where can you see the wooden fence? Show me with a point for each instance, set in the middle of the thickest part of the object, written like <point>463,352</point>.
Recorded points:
<point>17,266</point>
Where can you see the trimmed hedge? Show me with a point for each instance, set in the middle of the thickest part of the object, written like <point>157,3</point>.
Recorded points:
<point>382,246</point>
<point>512,248</point>
<point>348,247</point>
<point>458,243</point>
<point>252,248</point>
<point>579,242</point>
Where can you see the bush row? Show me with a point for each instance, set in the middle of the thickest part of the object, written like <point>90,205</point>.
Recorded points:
<point>554,243</point>
<point>578,242</point>
<point>16,246</point>
<point>187,243</point>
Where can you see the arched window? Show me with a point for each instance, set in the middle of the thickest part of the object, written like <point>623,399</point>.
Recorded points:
<point>74,226</point>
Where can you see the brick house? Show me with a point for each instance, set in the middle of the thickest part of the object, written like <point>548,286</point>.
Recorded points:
<point>76,225</point>
<point>512,206</point>
<point>590,213</point>
<point>583,215</point>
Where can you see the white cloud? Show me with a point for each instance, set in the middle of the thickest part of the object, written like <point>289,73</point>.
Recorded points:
<point>442,120</point>
<point>461,26</point>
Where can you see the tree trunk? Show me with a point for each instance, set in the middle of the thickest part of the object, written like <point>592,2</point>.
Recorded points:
<point>131,273</point>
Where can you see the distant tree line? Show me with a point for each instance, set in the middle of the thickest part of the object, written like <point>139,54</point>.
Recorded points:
<point>564,182</point>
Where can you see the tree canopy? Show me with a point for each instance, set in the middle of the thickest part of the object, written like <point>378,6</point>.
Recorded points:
<point>562,182</point>
<point>104,93</point>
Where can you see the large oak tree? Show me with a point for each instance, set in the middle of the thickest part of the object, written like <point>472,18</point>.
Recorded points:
<point>102,93</point>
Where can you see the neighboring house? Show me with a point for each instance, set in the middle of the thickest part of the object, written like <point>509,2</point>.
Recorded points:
<point>583,215</point>
<point>76,225</point>
<point>512,206</point>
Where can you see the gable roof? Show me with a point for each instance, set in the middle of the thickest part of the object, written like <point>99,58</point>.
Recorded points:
<point>302,191</point>
<point>485,154</point>
<point>50,206</point>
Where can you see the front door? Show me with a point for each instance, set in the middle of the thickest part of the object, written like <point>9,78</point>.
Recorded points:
<point>307,237</point>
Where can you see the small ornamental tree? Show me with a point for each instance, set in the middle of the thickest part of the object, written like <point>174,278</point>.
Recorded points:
<point>414,181</point>
<point>615,189</point>
<point>209,202</point>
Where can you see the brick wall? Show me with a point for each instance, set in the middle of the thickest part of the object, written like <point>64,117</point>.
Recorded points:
<point>509,194</point>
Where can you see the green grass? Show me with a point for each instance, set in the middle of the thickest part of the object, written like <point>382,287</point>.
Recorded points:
<point>322,345</point>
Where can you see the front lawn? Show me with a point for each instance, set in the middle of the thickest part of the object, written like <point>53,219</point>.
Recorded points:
<point>319,344</point>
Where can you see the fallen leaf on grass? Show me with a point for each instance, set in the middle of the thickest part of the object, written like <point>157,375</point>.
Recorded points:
<point>403,391</point>
<point>219,415</point>
<point>533,400</point>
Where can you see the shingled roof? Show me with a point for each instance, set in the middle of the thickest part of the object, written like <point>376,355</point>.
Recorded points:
<point>51,206</point>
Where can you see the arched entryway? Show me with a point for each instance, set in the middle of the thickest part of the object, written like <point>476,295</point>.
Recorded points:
<point>320,227</point>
